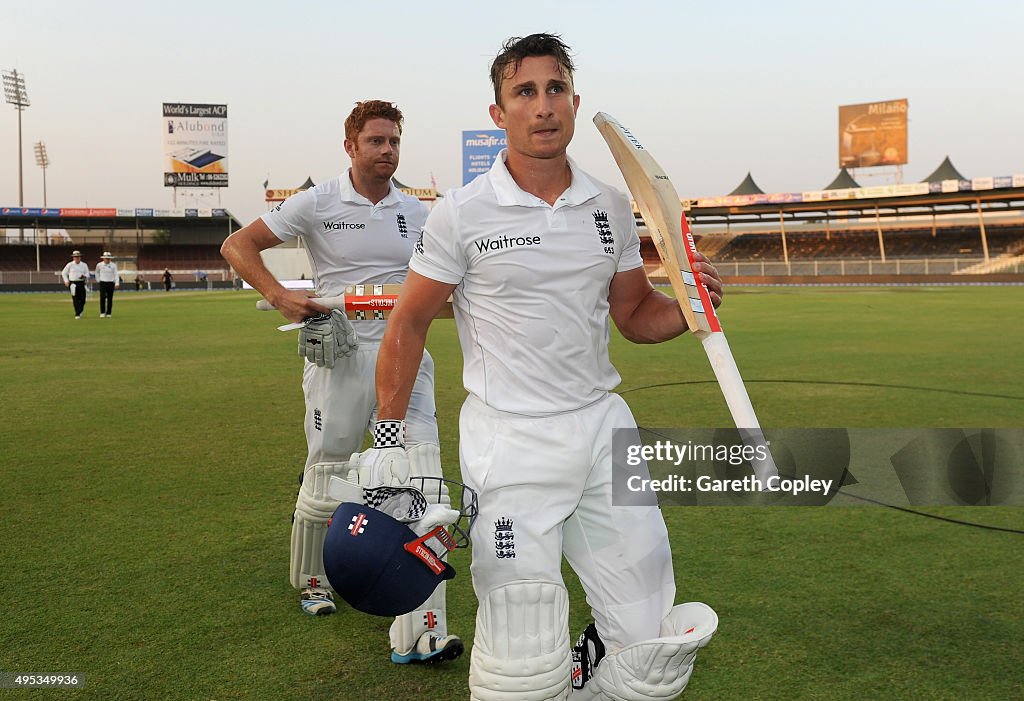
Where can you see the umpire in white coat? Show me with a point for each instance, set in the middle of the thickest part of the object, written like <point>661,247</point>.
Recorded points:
<point>75,275</point>
<point>106,276</point>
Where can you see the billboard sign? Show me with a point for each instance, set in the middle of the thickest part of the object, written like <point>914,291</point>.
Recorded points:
<point>280,195</point>
<point>195,145</point>
<point>873,134</point>
<point>479,149</point>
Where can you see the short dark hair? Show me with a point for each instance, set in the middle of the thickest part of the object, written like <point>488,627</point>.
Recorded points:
<point>371,109</point>
<point>518,48</point>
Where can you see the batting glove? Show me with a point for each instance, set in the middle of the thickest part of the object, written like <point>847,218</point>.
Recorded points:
<point>435,515</point>
<point>327,337</point>
<point>387,462</point>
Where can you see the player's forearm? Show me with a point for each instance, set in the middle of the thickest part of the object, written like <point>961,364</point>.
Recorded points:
<point>398,363</point>
<point>243,255</point>
<point>655,319</point>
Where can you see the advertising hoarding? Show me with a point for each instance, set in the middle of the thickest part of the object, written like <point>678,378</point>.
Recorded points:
<point>195,140</point>
<point>873,134</point>
<point>479,149</point>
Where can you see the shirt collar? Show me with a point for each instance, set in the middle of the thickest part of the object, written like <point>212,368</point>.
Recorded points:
<point>509,194</point>
<point>349,194</point>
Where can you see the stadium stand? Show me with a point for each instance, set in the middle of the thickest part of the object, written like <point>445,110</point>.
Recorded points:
<point>962,241</point>
<point>18,258</point>
<point>181,257</point>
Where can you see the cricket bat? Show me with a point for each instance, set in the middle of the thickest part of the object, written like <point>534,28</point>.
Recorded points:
<point>663,213</point>
<point>364,302</point>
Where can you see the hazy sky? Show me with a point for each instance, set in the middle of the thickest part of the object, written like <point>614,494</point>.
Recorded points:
<point>713,89</point>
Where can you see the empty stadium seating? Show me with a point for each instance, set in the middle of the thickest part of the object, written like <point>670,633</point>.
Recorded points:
<point>181,257</point>
<point>963,241</point>
<point>14,258</point>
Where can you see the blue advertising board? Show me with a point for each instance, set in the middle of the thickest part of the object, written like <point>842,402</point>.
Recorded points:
<point>479,149</point>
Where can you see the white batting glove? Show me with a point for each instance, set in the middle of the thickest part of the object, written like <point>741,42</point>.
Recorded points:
<point>387,467</point>
<point>387,462</point>
<point>325,338</point>
<point>435,515</point>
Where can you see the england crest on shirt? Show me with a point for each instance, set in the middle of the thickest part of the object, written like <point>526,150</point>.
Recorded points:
<point>504,539</point>
<point>604,231</point>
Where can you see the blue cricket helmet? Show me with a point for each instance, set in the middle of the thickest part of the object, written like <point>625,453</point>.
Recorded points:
<point>378,564</point>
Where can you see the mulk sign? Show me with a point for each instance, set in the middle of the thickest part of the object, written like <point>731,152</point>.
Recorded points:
<point>479,149</point>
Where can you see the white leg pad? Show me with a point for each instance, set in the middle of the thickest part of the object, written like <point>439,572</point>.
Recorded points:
<point>424,461</point>
<point>313,508</point>
<point>408,627</point>
<point>659,669</point>
<point>521,651</point>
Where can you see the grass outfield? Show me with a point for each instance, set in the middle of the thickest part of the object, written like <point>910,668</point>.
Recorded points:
<point>149,466</point>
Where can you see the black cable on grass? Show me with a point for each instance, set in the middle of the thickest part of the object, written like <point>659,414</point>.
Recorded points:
<point>939,518</point>
<point>863,384</point>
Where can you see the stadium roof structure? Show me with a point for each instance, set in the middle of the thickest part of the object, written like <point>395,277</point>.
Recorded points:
<point>842,181</point>
<point>747,187</point>
<point>926,203</point>
<point>874,204</point>
<point>182,226</point>
<point>945,171</point>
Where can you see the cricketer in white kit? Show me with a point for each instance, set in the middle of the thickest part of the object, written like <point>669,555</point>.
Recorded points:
<point>537,255</point>
<point>349,241</point>
<point>357,228</point>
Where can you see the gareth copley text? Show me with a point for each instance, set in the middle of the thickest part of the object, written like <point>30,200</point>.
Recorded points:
<point>705,483</point>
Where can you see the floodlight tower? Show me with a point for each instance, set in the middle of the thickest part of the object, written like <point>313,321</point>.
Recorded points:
<point>43,161</point>
<point>15,94</point>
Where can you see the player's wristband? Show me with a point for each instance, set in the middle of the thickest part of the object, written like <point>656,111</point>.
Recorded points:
<point>389,433</point>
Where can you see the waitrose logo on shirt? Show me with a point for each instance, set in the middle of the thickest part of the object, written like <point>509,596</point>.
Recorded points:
<point>336,225</point>
<point>497,243</point>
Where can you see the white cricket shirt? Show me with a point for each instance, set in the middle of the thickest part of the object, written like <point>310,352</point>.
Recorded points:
<point>349,239</point>
<point>531,304</point>
<point>75,272</point>
<point>106,272</point>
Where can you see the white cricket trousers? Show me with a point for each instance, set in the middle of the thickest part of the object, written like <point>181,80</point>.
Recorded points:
<point>545,489</point>
<point>341,405</point>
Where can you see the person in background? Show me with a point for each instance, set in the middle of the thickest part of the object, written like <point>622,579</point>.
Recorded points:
<point>106,276</point>
<point>75,274</point>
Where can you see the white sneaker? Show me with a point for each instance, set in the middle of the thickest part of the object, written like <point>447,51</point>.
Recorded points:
<point>78,316</point>
<point>317,601</point>
<point>429,649</point>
